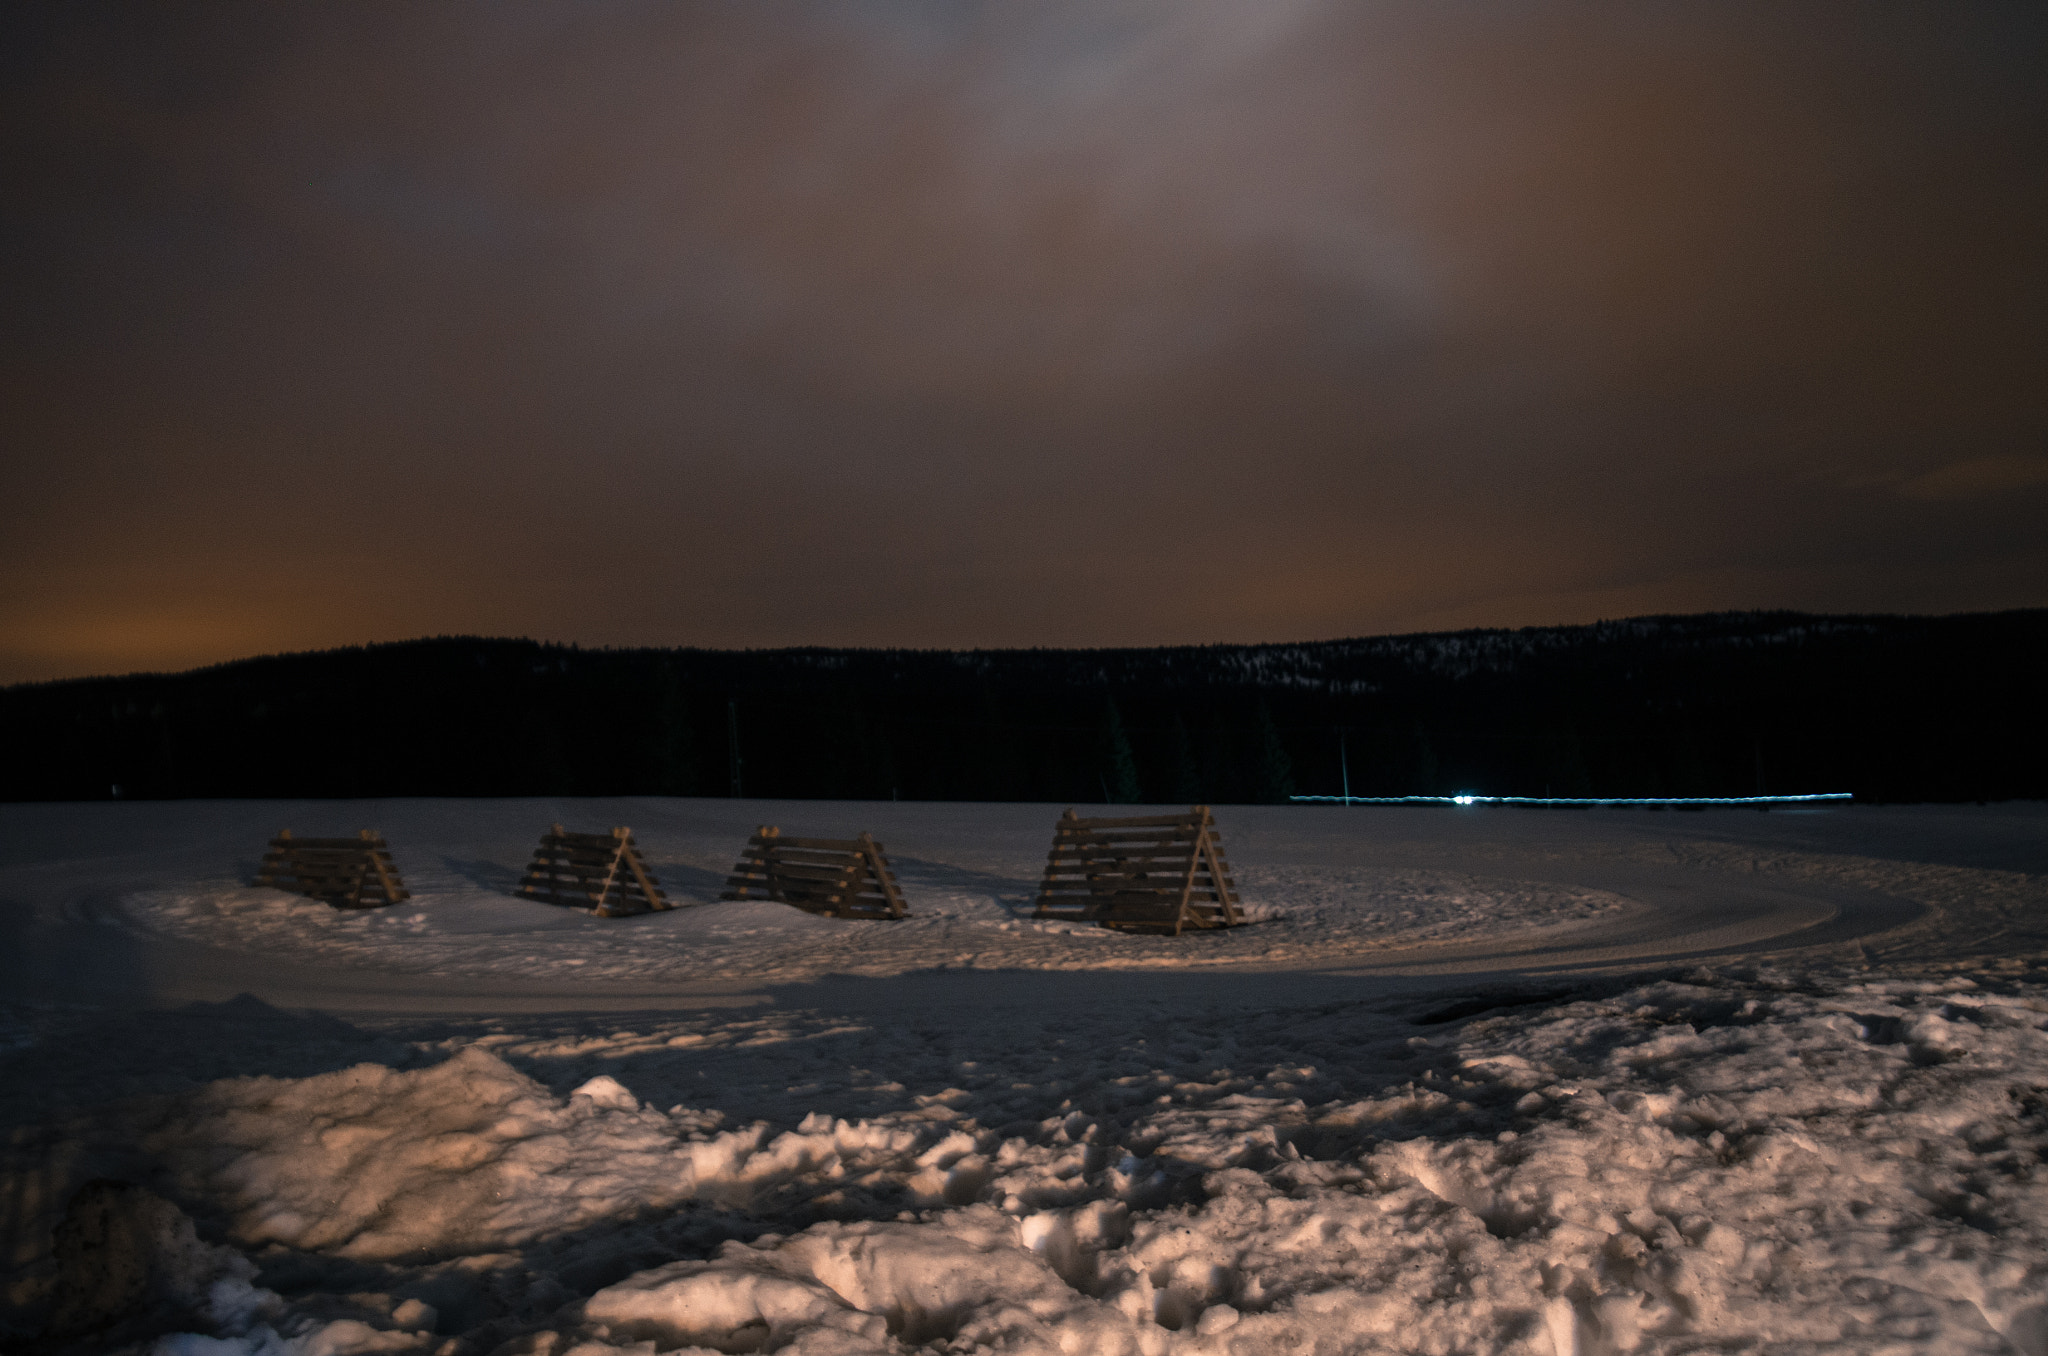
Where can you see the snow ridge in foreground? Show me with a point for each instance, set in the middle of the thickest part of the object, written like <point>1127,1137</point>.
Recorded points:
<point>1721,1160</point>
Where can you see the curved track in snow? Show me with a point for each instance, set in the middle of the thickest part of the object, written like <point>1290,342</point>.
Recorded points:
<point>72,933</point>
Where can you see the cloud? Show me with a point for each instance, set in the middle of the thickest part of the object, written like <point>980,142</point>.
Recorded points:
<point>1978,477</point>
<point>956,323</point>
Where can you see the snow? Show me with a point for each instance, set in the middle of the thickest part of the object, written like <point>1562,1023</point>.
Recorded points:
<point>448,930</point>
<point>1590,1083</point>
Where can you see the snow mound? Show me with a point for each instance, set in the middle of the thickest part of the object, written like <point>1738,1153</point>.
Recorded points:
<point>1752,1159</point>
<point>914,1282</point>
<point>374,1163</point>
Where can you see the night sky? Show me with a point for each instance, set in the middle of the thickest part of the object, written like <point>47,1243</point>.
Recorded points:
<point>968,324</point>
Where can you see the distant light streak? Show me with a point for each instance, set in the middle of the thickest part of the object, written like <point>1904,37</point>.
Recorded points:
<point>1468,798</point>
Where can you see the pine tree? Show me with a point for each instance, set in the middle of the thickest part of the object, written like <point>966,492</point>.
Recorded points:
<point>547,756</point>
<point>1187,781</point>
<point>674,752</point>
<point>1276,769</point>
<point>1425,763</point>
<point>1567,767</point>
<point>1119,766</point>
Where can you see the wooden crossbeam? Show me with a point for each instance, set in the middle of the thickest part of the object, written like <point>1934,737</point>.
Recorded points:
<point>349,873</point>
<point>836,877</point>
<point>602,872</point>
<point>1153,873</point>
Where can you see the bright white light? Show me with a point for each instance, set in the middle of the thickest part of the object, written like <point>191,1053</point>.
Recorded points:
<point>1464,800</point>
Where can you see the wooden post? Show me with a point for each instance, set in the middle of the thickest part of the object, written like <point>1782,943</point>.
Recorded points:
<point>1187,885</point>
<point>883,875</point>
<point>639,870</point>
<point>768,831</point>
<point>611,870</point>
<point>555,881</point>
<point>385,879</point>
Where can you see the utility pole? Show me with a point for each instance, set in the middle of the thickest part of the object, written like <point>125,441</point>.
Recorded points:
<point>1344,766</point>
<point>732,742</point>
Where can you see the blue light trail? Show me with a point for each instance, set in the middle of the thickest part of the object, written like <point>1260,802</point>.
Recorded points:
<point>1471,799</point>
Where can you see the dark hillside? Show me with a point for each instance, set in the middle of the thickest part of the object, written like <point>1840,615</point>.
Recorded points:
<point>1890,708</point>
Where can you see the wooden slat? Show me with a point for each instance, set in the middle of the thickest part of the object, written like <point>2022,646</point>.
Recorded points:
<point>1225,888</point>
<point>1104,852</point>
<point>561,866</point>
<point>1133,821</point>
<point>1099,866</point>
<point>811,847</point>
<point>763,856</point>
<point>1185,834</point>
<point>584,878</point>
<point>805,872</point>
<point>595,856</point>
<point>798,851</point>
<point>326,844</point>
<point>1161,879</point>
<point>818,844</point>
<point>566,854</point>
<point>1076,844</point>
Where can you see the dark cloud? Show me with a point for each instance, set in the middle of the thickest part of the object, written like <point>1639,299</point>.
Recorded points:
<point>948,323</point>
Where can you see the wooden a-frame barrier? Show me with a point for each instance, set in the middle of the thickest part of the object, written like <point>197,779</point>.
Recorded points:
<point>349,873</point>
<point>836,877</point>
<point>602,872</point>
<point>1145,873</point>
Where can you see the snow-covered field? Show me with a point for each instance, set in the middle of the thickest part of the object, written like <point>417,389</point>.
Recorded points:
<point>1476,1081</point>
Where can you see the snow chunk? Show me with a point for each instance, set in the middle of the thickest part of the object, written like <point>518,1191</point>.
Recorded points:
<point>917,1282</point>
<point>466,1156</point>
<point>606,1091</point>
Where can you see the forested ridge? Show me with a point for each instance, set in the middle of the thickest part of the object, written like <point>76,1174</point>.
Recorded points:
<point>1889,708</point>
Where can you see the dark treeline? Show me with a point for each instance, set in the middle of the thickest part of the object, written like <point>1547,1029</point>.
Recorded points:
<point>1890,708</point>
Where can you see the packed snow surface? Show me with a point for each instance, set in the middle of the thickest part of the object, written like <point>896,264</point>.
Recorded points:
<point>452,928</point>
<point>1476,1081</point>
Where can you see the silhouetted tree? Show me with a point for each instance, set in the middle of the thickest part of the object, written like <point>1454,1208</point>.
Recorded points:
<point>1119,767</point>
<point>1567,766</point>
<point>675,771</point>
<point>547,771</point>
<point>1425,764</point>
<point>1275,768</point>
<point>1187,781</point>
<point>1891,707</point>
